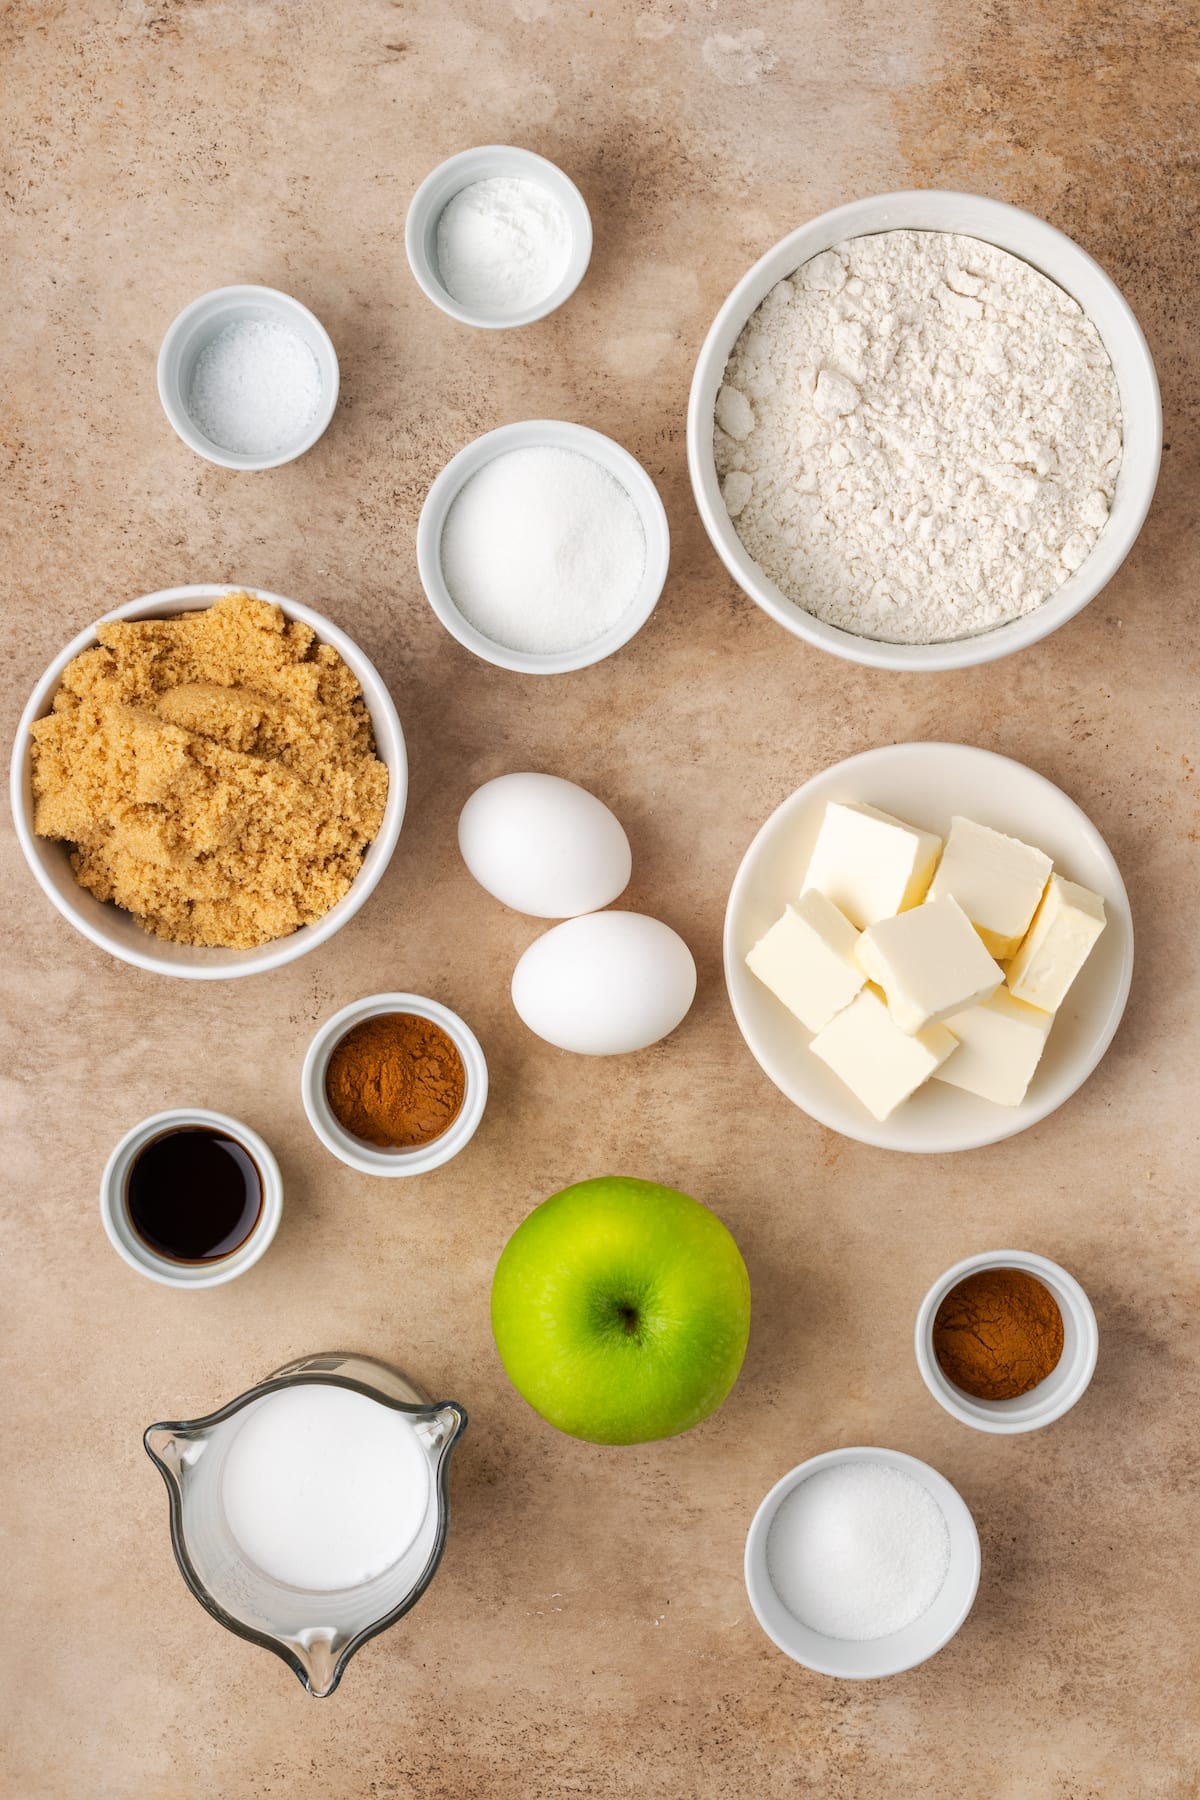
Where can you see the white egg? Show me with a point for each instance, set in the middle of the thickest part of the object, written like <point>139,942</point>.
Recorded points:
<point>544,846</point>
<point>605,984</point>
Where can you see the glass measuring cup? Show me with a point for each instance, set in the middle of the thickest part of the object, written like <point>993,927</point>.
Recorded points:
<point>315,1632</point>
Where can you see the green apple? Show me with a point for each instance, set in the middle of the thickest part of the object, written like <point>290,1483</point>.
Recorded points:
<point>621,1311</point>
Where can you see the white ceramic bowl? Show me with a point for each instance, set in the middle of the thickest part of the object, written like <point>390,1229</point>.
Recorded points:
<point>369,1159</point>
<point>198,324</point>
<point>553,434</point>
<point>118,932</point>
<point>900,1650</point>
<point>1051,1398</point>
<point>925,784</point>
<point>1057,257</point>
<point>125,1240</point>
<point>484,164</point>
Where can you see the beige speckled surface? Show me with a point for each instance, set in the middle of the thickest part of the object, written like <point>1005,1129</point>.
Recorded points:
<point>589,1633</point>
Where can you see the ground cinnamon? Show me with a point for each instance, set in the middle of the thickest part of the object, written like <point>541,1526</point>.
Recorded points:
<point>396,1080</point>
<point>997,1334</point>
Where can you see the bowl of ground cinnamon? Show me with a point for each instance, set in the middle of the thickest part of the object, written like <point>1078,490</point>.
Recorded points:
<point>394,1084</point>
<point>1006,1341</point>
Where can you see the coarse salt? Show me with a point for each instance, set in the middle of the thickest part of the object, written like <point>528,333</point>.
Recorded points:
<point>543,550</point>
<point>502,244</point>
<point>256,388</point>
<point>858,1551</point>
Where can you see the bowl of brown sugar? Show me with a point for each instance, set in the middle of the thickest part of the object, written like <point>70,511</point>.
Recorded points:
<point>394,1084</point>
<point>208,782</point>
<point>1006,1341</point>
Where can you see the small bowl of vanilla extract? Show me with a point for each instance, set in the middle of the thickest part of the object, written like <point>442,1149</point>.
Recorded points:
<point>191,1198</point>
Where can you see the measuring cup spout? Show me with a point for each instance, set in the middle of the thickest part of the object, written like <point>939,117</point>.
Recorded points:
<point>175,1449</point>
<point>314,1625</point>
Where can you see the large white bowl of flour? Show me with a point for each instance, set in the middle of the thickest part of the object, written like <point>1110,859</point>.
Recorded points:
<point>988,498</point>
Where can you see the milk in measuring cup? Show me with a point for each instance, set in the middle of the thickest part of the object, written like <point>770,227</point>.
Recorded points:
<point>323,1488</point>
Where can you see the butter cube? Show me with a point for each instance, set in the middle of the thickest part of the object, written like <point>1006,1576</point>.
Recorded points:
<point>807,960</point>
<point>997,880</point>
<point>999,1046</point>
<point>1065,926</point>
<point>930,964</point>
<point>878,1062</point>
<point>870,864</point>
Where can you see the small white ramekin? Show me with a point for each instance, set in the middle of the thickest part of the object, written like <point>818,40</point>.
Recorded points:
<point>484,164</point>
<point>370,1159</point>
<point>1051,1398</point>
<point>198,324</point>
<point>1056,256</point>
<point>544,434</point>
<point>849,1659</point>
<point>125,1240</point>
<point>108,926</point>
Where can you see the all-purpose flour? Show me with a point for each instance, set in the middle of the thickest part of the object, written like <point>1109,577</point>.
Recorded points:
<point>918,437</point>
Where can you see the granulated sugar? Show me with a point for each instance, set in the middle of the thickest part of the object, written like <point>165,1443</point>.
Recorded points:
<point>858,1550</point>
<point>918,437</point>
<point>543,550</point>
<point>256,388</point>
<point>502,244</point>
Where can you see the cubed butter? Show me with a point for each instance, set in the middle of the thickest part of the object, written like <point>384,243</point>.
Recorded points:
<point>807,960</point>
<point>870,864</point>
<point>999,1046</point>
<point>930,963</point>
<point>878,1062</point>
<point>1059,942</point>
<point>997,880</point>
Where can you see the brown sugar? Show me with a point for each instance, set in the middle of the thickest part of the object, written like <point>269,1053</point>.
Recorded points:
<point>214,773</point>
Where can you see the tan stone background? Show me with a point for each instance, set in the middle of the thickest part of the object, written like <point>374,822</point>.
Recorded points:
<point>589,1633</point>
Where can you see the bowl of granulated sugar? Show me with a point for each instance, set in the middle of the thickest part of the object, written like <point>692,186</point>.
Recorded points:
<point>862,1563</point>
<point>543,547</point>
<point>248,377</point>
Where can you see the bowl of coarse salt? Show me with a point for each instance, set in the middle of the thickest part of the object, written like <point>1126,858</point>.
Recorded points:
<point>543,547</point>
<point>862,1563</point>
<point>248,377</point>
<point>498,237</point>
<point>924,431</point>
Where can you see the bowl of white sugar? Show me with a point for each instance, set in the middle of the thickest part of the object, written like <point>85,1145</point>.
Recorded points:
<point>543,547</point>
<point>924,431</point>
<point>862,1563</point>
<point>248,377</point>
<point>498,236</point>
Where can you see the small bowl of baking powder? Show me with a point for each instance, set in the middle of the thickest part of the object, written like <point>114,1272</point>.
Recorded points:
<point>248,377</point>
<point>498,237</point>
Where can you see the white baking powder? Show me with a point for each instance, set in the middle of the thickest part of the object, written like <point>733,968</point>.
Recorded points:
<point>502,244</point>
<point>543,550</point>
<point>858,1550</point>
<point>324,1488</point>
<point>918,436</point>
<point>256,388</point>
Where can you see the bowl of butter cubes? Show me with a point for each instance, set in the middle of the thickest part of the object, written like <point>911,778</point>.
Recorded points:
<point>928,947</point>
